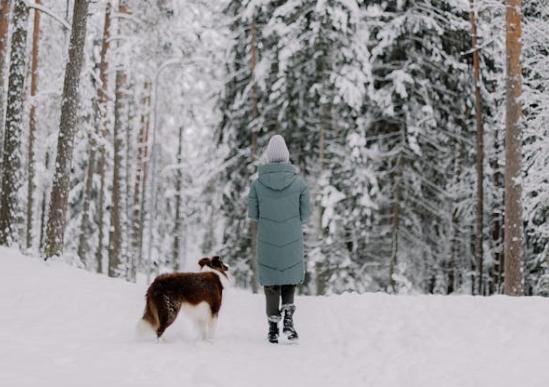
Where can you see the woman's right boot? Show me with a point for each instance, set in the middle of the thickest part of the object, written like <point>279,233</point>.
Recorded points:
<point>273,329</point>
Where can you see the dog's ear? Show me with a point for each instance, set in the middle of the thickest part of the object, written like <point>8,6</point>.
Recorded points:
<point>216,262</point>
<point>204,262</point>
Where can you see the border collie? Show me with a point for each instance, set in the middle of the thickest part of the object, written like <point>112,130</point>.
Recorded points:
<point>199,295</point>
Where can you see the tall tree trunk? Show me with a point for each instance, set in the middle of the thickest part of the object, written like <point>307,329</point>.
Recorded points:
<point>116,233</point>
<point>32,123</point>
<point>68,124</point>
<point>513,152</point>
<point>395,222</point>
<point>497,215</point>
<point>43,206</point>
<point>178,221</point>
<point>4,24</point>
<point>129,160</point>
<point>322,270</point>
<point>479,237</point>
<point>102,93</point>
<point>255,114</point>
<point>139,190</point>
<point>85,222</point>
<point>11,166</point>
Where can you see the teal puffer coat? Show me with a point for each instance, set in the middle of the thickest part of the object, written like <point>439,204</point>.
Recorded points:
<point>279,203</point>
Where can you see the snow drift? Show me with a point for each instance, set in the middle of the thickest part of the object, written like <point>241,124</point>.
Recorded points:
<point>61,326</point>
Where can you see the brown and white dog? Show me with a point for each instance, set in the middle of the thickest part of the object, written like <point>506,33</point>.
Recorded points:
<point>198,295</point>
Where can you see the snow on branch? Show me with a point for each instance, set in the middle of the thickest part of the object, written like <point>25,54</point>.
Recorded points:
<point>50,13</point>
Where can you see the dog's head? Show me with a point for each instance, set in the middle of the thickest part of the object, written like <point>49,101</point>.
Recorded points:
<point>214,263</point>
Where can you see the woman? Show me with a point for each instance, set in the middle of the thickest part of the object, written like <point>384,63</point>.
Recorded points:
<point>279,203</point>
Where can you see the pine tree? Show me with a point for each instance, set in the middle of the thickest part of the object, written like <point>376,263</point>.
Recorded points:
<point>479,226</point>
<point>116,253</point>
<point>68,126</point>
<point>140,180</point>
<point>11,165</point>
<point>102,92</point>
<point>514,237</point>
<point>419,117</point>
<point>4,24</point>
<point>535,59</point>
<point>32,126</point>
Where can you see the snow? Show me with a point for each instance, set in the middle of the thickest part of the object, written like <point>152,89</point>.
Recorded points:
<point>61,326</point>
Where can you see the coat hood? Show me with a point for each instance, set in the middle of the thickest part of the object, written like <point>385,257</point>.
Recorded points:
<point>277,176</point>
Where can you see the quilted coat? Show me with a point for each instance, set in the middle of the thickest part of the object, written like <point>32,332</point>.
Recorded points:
<point>279,203</point>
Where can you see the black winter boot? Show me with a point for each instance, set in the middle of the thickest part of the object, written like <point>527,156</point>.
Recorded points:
<point>289,330</point>
<point>273,329</point>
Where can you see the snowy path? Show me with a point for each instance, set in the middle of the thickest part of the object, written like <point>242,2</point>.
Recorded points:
<point>60,326</point>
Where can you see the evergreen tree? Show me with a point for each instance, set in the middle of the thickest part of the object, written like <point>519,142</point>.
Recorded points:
<point>68,125</point>
<point>10,216</point>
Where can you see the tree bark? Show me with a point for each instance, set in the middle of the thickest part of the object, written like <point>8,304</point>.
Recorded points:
<point>396,222</point>
<point>43,206</point>
<point>55,229</point>
<point>129,159</point>
<point>139,190</point>
<point>116,232</point>
<point>102,93</point>
<point>32,123</point>
<point>513,284</point>
<point>497,216</point>
<point>85,221</point>
<point>479,253</point>
<point>253,225</point>
<point>178,221</point>
<point>4,24</point>
<point>11,166</point>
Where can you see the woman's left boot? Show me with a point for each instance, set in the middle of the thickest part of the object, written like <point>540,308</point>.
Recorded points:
<point>272,336</point>
<point>288,322</point>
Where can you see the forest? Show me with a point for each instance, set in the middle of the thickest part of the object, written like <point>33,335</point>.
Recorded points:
<point>131,131</point>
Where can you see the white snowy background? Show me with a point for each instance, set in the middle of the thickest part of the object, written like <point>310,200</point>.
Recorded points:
<point>62,326</point>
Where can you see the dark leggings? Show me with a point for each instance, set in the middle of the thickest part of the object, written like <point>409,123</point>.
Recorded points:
<point>273,294</point>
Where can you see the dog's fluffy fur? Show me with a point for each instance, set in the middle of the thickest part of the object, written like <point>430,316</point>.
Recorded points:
<point>199,295</point>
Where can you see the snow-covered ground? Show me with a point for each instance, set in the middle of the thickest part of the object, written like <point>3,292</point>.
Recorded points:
<point>60,326</point>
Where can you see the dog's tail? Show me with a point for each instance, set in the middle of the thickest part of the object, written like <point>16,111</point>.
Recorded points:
<point>149,322</point>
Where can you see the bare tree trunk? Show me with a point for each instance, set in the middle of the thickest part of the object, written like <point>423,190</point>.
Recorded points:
<point>178,221</point>
<point>479,237</point>
<point>513,153</point>
<point>139,190</point>
<point>68,124</point>
<point>253,225</point>
<point>455,272</point>
<point>32,123</point>
<point>85,223</point>
<point>497,215</point>
<point>116,232</point>
<point>116,254</point>
<point>102,93</point>
<point>43,206</point>
<point>396,222</point>
<point>4,24</point>
<point>11,166</point>
<point>129,159</point>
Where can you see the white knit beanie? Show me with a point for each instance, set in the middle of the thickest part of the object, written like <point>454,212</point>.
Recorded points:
<point>277,151</point>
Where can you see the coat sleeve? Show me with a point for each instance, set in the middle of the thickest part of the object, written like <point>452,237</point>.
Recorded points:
<point>305,205</point>
<point>253,204</point>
